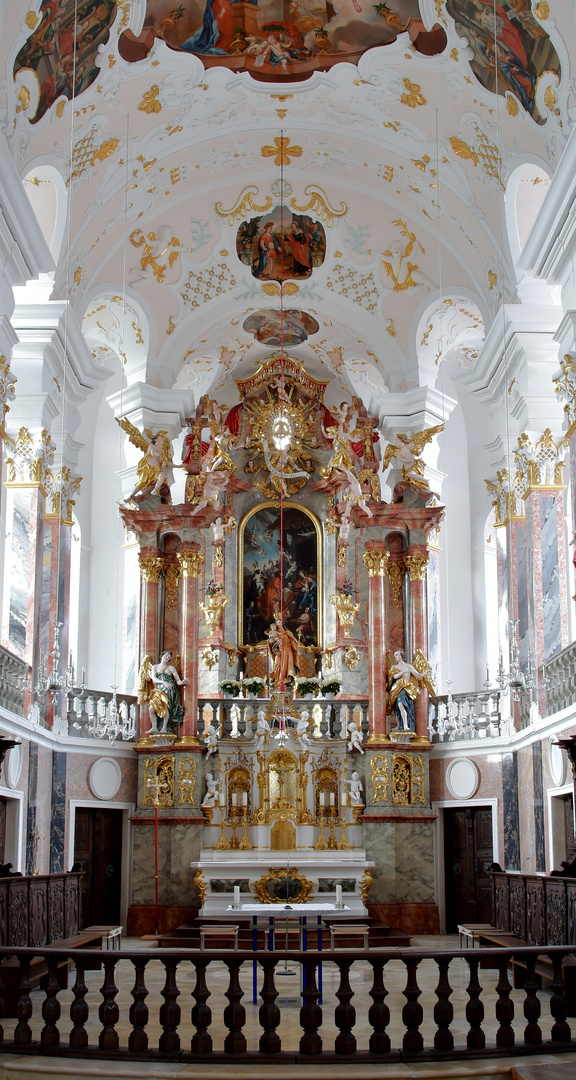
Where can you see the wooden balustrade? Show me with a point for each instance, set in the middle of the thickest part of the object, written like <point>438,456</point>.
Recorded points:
<point>176,1022</point>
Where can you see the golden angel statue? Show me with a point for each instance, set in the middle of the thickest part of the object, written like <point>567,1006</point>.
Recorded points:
<point>408,448</point>
<point>155,469</point>
<point>158,685</point>
<point>403,686</point>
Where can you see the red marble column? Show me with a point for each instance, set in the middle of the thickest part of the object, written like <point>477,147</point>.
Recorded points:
<point>191,560</point>
<point>416,563</point>
<point>375,559</point>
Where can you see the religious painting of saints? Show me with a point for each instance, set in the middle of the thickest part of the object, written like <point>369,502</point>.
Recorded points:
<point>281,245</point>
<point>264,590</point>
<point>273,328</point>
<point>63,48</point>
<point>280,40</point>
<point>511,48</point>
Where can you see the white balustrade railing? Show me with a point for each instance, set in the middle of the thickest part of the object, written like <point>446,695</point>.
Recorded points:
<point>466,716</point>
<point>559,677</point>
<point>14,676</point>
<point>235,718</point>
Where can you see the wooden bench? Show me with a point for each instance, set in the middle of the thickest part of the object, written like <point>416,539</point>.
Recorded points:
<point>218,937</point>
<point>11,974</point>
<point>349,935</point>
<point>111,936</point>
<point>468,934</point>
<point>543,969</point>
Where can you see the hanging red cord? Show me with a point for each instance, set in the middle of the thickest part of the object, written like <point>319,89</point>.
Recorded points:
<point>281,428</point>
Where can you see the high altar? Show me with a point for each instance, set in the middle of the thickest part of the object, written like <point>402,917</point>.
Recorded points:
<point>284,641</point>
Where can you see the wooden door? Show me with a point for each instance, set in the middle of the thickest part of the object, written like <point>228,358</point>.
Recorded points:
<point>98,848</point>
<point>3,804</point>
<point>467,856</point>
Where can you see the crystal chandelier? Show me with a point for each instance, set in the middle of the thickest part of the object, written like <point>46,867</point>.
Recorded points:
<point>55,682</point>
<point>515,679</point>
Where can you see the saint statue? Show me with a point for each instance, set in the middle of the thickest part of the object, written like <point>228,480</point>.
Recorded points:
<point>159,687</point>
<point>403,687</point>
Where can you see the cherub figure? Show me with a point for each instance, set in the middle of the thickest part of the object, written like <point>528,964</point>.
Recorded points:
<point>302,729</point>
<point>159,687</point>
<point>356,793</point>
<point>355,737</point>
<point>262,730</point>
<point>408,448</point>
<point>211,739</point>
<point>212,791</point>
<point>154,469</point>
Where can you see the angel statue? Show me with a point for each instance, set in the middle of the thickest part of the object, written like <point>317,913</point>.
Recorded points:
<point>159,687</point>
<point>403,688</point>
<point>155,468</point>
<point>408,449</point>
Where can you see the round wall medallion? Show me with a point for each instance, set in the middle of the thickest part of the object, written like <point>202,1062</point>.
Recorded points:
<point>557,760</point>
<point>105,778</point>
<point>462,778</point>
<point>13,766</point>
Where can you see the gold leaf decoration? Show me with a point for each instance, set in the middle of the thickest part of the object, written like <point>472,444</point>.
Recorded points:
<point>270,288</point>
<point>492,279</point>
<point>512,106</point>
<point>243,204</point>
<point>290,288</point>
<point>32,20</point>
<point>78,275</point>
<point>549,98</point>
<point>24,97</point>
<point>60,108</point>
<point>462,150</point>
<point>150,103</point>
<point>105,150</point>
<point>318,202</point>
<point>413,96</point>
<point>281,151</point>
<point>542,10</point>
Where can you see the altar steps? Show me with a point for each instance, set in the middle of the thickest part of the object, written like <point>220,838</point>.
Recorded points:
<point>189,935</point>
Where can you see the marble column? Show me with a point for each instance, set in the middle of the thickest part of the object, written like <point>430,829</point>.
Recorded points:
<point>416,563</point>
<point>22,588</point>
<point>375,559</point>
<point>191,560</point>
<point>151,563</point>
<point>547,577</point>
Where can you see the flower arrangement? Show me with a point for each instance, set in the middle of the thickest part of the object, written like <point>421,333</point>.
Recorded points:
<point>330,686</point>
<point>348,588</point>
<point>254,684</point>
<point>307,685</point>
<point>230,686</point>
<point>212,589</point>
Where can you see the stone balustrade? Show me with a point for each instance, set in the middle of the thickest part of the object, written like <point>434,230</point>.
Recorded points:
<point>466,716</point>
<point>559,678</point>
<point>97,714</point>
<point>14,675</point>
<point>236,718</point>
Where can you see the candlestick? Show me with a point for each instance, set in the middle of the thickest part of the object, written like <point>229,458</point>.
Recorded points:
<point>236,896</point>
<point>244,798</point>
<point>332,799</point>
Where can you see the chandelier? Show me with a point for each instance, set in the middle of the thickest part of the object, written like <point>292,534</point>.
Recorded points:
<point>515,679</point>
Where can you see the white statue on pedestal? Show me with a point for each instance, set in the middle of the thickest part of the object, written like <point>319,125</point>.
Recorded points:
<point>262,730</point>
<point>302,729</point>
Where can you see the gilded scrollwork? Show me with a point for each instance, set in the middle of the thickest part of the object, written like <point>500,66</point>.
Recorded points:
<point>364,885</point>
<point>30,458</point>
<point>201,885</point>
<point>380,778</point>
<point>408,779</point>
<point>60,487</point>
<point>158,781</point>
<point>186,780</point>
<point>171,578</point>
<point>280,884</point>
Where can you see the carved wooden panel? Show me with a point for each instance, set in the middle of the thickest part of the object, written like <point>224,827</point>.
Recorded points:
<point>571,912</point>
<point>535,911</point>
<point>71,907</point>
<point>517,907</point>
<point>37,912</point>
<point>3,913</point>
<point>18,913</point>
<point>556,913</point>
<point>501,902</point>
<point>55,910</point>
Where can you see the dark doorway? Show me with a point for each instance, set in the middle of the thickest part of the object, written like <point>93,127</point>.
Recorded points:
<point>3,808</point>
<point>98,848</point>
<point>467,856</point>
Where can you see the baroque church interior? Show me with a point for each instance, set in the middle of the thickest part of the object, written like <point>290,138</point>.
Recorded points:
<point>288,512</point>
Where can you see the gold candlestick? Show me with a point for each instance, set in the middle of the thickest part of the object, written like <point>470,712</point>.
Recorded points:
<point>320,844</point>
<point>332,845</point>
<point>223,842</point>
<point>245,844</point>
<point>234,844</point>
<point>344,844</point>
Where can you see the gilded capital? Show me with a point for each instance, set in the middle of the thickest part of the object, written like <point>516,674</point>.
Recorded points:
<point>191,563</point>
<point>416,565</point>
<point>30,459</point>
<point>376,562</point>
<point>542,463</point>
<point>60,487</point>
<point>151,567</point>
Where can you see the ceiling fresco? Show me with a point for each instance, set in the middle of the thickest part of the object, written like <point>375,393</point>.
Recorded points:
<point>280,40</point>
<point>392,176</point>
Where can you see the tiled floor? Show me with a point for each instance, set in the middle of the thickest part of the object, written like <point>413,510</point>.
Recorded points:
<point>289,1002</point>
